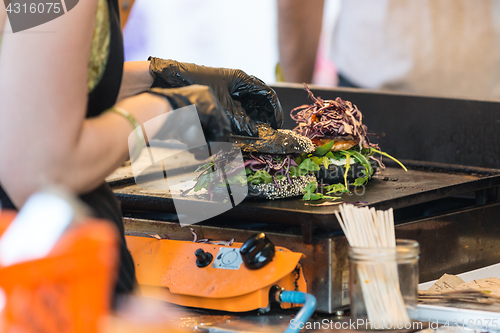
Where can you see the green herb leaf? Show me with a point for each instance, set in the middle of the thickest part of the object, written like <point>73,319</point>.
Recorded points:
<point>316,196</point>
<point>293,171</point>
<point>387,155</point>
<point>318,161</point>
<point>296,171</point>
<point>335,188</point>
<point>363,162</point>
<point>309,191</point>
<point>300,158</point>
<point>201,183</point>
<point>332,198</point>
<point>309,165</point>
<point>347,166</point>
<point>311,195</point>
<point>242,180</point>
<point>361,181</point>
<point>338,155</point>
<point>326,162</point>
<point>204,166</point>
<point>324,149</point>
<point>329,155</point>
<point>260,177</point>
<point>239,179</point>
<point>311,187</point>
<point>266,177</point>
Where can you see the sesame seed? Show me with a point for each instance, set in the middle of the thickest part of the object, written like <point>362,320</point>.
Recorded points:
<point>302,141</point>
<point>285,189</point>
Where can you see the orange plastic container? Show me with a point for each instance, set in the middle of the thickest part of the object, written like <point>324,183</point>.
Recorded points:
<point>69,290</point>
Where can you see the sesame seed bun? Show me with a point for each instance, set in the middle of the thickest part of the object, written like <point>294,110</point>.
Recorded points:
<point>284,189</point>
<point>273,141</point>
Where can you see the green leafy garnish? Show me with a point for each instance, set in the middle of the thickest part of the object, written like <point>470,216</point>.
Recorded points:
<point>204,167</point>
<point>260,177</point>
<point>299,159</point>
<point>361,180</point>
<point>310,195</point>
<point>324,149</point>
<point>296,171</point>
<point>317,160</point>
<point>239,178</point>
<point>335,189</point>
<point>387,155</point>
<point>326,162</point>
<point>309,191</point>
<point>200,185</point>
<point>309,165</point>
<point>364,162</point>
<point>347,166</point>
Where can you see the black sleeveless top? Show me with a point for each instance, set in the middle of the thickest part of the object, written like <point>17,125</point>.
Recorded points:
<point>105,75</point>
<point>103,95</point>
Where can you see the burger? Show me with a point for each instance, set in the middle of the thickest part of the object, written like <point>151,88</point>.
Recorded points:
<point>269,169</point>
<point>344,153</point>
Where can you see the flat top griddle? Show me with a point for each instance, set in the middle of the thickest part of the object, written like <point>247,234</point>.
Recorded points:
<point>390,187</point>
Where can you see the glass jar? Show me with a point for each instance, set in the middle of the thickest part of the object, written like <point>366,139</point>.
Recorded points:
<point>384,285</point>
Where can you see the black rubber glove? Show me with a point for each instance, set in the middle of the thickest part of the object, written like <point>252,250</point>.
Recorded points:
<point>246,99</point>
<point>183,125</point>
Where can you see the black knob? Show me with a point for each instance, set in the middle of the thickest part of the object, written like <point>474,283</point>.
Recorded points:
<point>203,259</point>
<point>257,251</point>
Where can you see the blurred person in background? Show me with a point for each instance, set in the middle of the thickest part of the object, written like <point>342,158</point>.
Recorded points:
<point>430,47</point>
<point>212,33</point>
<point>68,104</point>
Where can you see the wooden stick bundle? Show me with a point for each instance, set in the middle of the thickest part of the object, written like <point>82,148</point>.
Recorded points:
<point>369,228</point>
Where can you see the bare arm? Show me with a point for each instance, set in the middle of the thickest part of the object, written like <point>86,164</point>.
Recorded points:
<point>136,78</point>
<point>3,18</point>
<point>44,136</point>
<point>299,29</point>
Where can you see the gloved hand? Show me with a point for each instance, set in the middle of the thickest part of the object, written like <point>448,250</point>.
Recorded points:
<point>184,125</point>
<point>246,99</point>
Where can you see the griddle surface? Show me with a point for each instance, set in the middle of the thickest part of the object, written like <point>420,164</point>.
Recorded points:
<point>423,182</point>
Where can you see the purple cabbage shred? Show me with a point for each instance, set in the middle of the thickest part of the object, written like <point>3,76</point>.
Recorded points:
<point>330,118</point>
